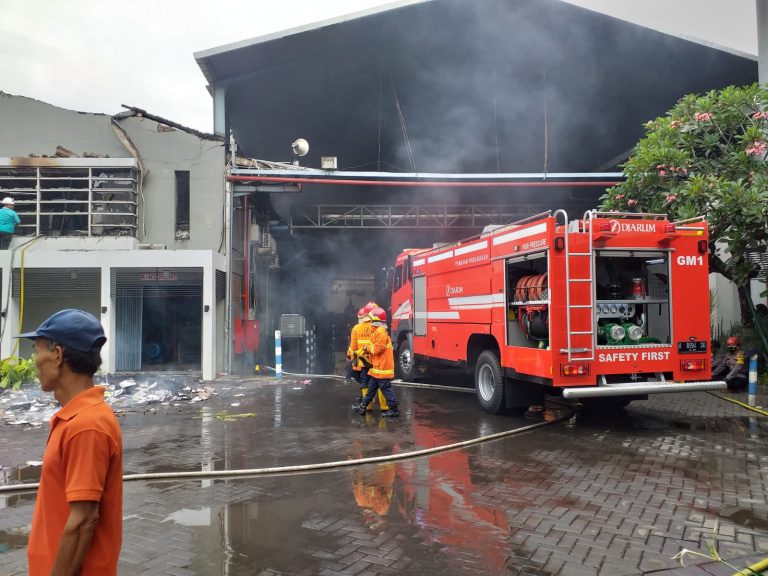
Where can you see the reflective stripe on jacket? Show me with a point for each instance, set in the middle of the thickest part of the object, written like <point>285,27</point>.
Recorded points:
<point>359,337</point>
<point>382,355</point>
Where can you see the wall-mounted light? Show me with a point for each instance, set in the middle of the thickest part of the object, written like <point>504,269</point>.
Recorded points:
<point>300,147</point>
<point>328,162</point>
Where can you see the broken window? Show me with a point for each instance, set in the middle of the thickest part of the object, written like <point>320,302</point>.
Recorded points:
<point>67,197</point>
<point>182,204</point>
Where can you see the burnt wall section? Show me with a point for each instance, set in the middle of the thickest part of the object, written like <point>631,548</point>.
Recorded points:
<point>34,128</point>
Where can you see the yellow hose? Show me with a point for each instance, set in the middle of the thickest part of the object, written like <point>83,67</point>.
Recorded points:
<point>21,291</point>
<point>757,568</point>
<point>747,406</point>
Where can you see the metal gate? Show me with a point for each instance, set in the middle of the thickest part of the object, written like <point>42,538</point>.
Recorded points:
<point>128,318</point>
<point>129,287</point>
<point>57,282</point>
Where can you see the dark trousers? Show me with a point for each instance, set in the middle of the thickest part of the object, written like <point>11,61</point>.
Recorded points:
<point>738,382</point>
<point>374,384</point>
<point>5,240</point>
<point>363,377</point>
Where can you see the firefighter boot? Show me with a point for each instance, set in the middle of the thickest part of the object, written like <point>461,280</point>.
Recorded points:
<point>363,392</point>
<point>359,408</point>
<point>382,402</point>
<point>393,412</point>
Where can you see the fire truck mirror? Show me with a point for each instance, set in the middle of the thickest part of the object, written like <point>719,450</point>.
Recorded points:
<point>386,278</point>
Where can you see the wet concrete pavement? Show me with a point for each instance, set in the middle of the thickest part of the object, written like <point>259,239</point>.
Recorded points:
<point>602,493</point>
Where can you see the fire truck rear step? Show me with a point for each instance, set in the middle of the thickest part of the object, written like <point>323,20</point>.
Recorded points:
<point>635,388</point>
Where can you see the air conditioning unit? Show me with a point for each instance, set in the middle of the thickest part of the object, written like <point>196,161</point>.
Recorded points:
<point>256,235</point>
<point>292,326</point>
<point>267,244</point>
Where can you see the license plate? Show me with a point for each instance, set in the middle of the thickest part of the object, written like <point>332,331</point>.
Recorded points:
<point>690,347</point>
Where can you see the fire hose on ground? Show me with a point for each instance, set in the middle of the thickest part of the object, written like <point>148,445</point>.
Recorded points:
<point>307,468</point>
<point>756,568</point>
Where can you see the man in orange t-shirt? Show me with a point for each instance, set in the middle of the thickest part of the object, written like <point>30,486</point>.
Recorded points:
<point>77,523</point>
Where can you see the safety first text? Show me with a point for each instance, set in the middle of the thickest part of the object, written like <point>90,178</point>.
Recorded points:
<point>633,356</point>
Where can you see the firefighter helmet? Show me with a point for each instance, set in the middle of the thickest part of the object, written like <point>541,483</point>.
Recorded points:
<point>378,314</point>
<point>370,306</point>
<point>361,313</point>
<point>733,341</point>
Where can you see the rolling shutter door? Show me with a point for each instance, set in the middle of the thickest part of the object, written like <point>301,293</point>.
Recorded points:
<point>55,282</point>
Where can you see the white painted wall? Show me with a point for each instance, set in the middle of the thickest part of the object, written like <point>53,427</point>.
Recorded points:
<point>45,257</point>
<point>725,310</point>
<point>30,127</point>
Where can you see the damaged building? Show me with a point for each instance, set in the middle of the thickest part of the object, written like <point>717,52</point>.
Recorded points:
<point>122,216</point>
<point>425,120</point>
<point>536,103</point>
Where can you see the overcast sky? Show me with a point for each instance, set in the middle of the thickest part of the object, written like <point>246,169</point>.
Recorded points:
<point>94,55</point>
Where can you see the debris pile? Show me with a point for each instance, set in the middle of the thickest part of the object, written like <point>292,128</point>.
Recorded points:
<point>31,406</point>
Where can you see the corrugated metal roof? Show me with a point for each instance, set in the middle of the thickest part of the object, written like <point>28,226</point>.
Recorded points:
<point>203,57</point>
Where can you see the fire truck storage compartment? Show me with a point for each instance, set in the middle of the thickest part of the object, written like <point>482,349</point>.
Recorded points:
<point>528,301</point>
<point>632,297</point>
<point>420,305</point>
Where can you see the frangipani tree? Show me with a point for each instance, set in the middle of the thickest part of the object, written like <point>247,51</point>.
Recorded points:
<point>707,156</point>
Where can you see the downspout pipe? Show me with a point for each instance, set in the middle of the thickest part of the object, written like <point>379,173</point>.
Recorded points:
<point>246,260</point>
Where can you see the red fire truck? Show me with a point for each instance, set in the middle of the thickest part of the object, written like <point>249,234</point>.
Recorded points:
<point>613,306</point>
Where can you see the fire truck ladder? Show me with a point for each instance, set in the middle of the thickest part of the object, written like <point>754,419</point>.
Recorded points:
<point>580,228</point>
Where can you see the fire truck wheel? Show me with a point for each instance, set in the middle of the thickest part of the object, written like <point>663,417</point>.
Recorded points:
<point>406,362</point>
<point>489,382</point>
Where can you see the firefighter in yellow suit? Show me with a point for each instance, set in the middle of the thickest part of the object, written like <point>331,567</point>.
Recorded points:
<point>373,490</point>
<point>359,338</point>
<point>383,369</point>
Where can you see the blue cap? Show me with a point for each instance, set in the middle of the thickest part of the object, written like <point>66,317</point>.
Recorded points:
<point>71,328</point>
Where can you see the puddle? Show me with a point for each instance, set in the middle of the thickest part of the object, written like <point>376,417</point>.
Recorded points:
<point>188,517</point>
<point>745,518</point>
<point>20,475</point>
<point>12,541</point>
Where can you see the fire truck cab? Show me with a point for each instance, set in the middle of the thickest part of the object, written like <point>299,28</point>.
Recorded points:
<point>614,305</point>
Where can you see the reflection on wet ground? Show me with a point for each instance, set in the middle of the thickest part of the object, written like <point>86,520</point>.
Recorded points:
<point>11,540</point>
<point>286,426</point>
<point>606,492</point>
